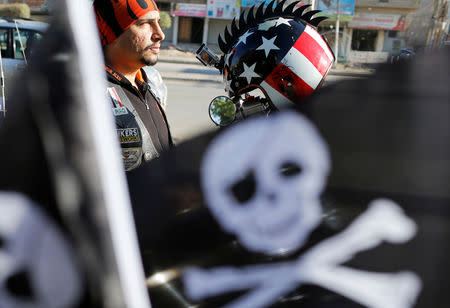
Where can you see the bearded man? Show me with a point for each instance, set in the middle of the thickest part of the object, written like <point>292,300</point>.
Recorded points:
<point>131,38</point>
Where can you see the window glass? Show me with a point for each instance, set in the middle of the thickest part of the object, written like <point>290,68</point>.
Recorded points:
<point>364,40</point>
<point>24,41</point>
<point>392,33</point>
<point>4,42</point>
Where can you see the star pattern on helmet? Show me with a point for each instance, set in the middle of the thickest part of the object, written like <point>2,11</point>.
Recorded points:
<point>228,87</point>
<point>283,21</point>
<point>249,72</point>
<point>268,45</point>
<point>228,57</point>
<point>267,25</point>
<point>243,38</point>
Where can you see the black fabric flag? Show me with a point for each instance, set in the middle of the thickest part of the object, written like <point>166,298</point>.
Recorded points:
<point>388,137</point>
<point>61,168</point>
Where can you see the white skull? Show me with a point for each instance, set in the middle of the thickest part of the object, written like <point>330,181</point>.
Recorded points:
<point>248,194</point>
<point>36,264</point>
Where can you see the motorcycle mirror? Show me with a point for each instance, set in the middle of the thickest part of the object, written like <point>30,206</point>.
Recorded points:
<point>222,110</point>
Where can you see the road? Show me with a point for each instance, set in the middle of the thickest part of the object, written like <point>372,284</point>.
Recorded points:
<point>187,107</point>
<point>166,67</point>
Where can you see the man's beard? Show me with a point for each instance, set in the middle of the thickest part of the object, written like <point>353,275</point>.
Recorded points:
<point>149,61</point>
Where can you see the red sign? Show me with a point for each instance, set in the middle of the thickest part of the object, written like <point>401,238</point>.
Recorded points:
<point>189,9</point>
<point>378,21</point>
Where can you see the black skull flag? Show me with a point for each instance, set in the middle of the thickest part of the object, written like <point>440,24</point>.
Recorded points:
<point>343,203</point>
<point>67,237</point>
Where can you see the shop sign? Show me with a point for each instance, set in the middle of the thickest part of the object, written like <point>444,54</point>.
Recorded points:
<point>367,56</point>
<point>249,3</point>
<point>329,7</point>
<point>189,9</point>
<point>223,9</point>
<point>378,21</point>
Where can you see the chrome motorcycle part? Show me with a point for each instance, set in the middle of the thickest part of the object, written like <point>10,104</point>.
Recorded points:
<point>222,111</point>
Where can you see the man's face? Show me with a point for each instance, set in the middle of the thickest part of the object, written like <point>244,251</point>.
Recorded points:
<point>139,45</point>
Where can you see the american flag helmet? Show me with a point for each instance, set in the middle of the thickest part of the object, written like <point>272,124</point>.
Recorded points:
<point>277,50</point>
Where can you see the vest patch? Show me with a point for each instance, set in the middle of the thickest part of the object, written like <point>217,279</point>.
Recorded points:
<point>120,111</point>
<point>115,98</point>
<point>128,135</point>
<point>132,158</point>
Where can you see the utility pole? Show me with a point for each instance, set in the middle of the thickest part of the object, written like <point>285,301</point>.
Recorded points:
<point>430,36</point>
<point>336,39</point>
<point>435,32</point>
<point>2,89</point>
<point>2,84</point>
<point>441,22</point>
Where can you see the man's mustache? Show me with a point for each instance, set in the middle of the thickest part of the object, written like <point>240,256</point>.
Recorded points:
<point>152,46</point>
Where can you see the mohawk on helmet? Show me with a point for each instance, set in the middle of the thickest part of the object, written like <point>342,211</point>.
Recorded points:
<point>277,50</point>
<point>253,19</point>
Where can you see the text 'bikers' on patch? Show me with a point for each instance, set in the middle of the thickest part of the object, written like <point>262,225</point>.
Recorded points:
<point>128,135</point>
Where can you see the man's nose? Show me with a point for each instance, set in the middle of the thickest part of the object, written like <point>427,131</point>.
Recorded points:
<point>159,34</point>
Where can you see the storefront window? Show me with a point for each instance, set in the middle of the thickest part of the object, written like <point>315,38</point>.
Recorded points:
<point>364,40</point>
<point>392,34</point>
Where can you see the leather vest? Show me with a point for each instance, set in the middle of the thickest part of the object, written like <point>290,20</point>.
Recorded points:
<point>134,137</point>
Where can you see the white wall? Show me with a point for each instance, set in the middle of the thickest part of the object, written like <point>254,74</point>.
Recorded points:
<point>216,27</point>
<point>393,44</point>
<point>169,32</point>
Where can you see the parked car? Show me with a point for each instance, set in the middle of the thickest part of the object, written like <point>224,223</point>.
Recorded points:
<point>17,39</point>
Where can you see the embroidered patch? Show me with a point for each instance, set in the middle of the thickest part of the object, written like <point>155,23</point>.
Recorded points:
<point>132,158</point>
<point>115,97</point>
<point>128,135</point>
<point>120,111</point>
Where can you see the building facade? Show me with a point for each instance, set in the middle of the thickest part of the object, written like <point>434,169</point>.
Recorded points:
<point>377,29</point>
<point>33,4</point>
<point>374,31</point>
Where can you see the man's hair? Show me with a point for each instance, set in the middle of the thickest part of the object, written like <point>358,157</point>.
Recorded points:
<point>116,16</point>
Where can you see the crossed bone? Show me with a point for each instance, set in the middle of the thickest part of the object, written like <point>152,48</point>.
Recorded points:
<point>383,221</point>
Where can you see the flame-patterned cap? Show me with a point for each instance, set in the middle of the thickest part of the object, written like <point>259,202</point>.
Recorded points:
<point>116,16</point>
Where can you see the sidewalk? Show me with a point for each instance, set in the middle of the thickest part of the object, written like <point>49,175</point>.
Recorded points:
<point>185,54</point>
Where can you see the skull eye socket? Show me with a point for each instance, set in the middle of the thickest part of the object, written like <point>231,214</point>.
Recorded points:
<point>244,189</point>
<point>289,169</point>
<point>20,285</point>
